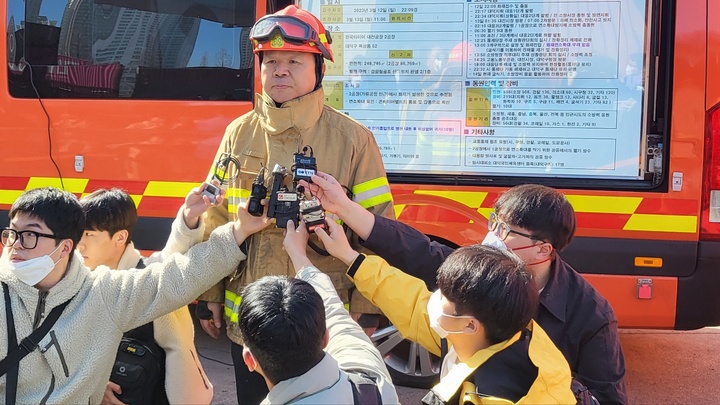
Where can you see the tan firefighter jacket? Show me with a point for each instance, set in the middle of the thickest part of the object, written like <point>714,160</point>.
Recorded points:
<point>270,135</point>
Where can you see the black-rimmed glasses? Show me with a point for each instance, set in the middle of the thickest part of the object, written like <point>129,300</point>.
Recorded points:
<point>28,239</point>
<point>503,229</point>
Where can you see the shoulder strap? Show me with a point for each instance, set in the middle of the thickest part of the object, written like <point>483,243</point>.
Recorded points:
<point>31,342</point>
<point>443,348</point>
<point>145,333</point>
<point>365,390</point>
<point>11,381</point>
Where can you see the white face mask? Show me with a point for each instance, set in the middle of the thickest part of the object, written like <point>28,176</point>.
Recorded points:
<point>493,240</point>
<point>435,312</point>
<point>34,270</point>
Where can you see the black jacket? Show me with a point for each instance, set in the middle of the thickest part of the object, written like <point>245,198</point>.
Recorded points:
<point>580,322</point>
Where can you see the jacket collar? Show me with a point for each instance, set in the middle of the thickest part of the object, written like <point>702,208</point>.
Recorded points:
<point>555,294</point>
<point>301,113</point>
<point>553,380</point>
<point>449,385</point>
<point>130,258</point>
<point>323,376</point>
<point>65,289</point>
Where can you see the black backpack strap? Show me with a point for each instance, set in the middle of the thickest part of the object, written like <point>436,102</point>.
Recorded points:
<point>364,388</point>
<point>145,333</point>
<point>11,380</point>
<point>443,348</point>
<point>31,342</point>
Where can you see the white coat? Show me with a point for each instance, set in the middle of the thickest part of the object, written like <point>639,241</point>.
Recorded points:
<point>73,361</point>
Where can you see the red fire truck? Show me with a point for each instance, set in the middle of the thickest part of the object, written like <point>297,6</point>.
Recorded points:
<point>615,103</point>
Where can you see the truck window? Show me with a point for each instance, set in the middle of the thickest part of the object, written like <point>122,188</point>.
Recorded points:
<point>136,49</point>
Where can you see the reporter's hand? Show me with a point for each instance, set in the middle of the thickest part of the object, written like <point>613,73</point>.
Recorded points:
<point>196,203</point>
<point>330,193</point>
<point>246,224</point>
<point>109,397</point>
<point>336,243</point>
<point>212,326</point>
<point>295,244</point>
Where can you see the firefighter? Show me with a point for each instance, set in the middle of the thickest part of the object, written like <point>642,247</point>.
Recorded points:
<point>291,46</point>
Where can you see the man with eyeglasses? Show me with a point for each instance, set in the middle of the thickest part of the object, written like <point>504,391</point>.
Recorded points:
<point>534,222</point>
<point>292,46</point>
<point>481,310</point>
<point>61,324</point>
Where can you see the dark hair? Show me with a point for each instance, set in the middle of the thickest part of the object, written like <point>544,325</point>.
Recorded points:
<point>110,210</point>
<point>58,209</point>
<point>282,322</point>
<point>542,210</point>
<point>493,286</point>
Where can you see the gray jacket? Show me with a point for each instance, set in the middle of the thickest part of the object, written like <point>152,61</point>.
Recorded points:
<point>348,349</point>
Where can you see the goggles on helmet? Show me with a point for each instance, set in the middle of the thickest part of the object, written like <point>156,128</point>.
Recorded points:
<point>292,29</point>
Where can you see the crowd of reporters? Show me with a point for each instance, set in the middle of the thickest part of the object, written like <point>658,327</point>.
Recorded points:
<point>511,320</point>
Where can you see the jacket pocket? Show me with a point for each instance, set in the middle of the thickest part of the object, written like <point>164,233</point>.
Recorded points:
<point>54,343</point>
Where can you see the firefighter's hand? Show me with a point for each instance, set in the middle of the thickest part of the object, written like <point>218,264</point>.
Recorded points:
<point>336,243</point>
<point>109,397</point>
<point>328,191</point>
<point>246,224</point>
<point>197,202</point>
<point>295,244</point>
<point>213,320</point>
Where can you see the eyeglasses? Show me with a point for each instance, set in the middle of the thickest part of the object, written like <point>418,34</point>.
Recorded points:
<point>503,229</point>
<point>457,316</point>
<point>28,239</point>
<point>292,29</point>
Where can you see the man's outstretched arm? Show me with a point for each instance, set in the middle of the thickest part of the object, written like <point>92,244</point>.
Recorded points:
<point>401,245</point>
<point>348,343</point>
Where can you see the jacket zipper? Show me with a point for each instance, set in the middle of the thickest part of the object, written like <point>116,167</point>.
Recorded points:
<point>39,315</point>
<point>40,309</point>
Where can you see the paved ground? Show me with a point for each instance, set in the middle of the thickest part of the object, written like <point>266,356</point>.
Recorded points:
<point>215,357</point>
<point>663,367</point>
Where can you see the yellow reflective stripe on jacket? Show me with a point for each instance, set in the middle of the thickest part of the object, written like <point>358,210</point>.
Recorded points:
<point>235,197</point>
<point>372,192</point>
<point>232,306</point>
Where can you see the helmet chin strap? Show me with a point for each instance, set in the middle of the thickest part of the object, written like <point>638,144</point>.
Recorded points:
<point>318,70</point>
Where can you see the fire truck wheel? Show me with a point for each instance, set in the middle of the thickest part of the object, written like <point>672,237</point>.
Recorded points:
<point>409,364</point>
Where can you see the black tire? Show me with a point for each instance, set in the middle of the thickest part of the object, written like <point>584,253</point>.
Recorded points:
<point>409,364</point>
